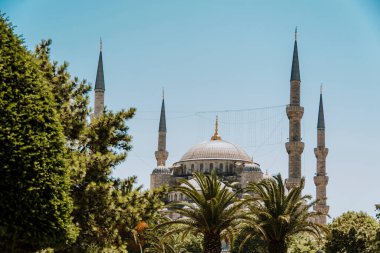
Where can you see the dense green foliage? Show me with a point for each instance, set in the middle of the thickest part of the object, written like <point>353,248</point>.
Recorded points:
<point>164,241</point>
<point>304,243</point>
<point>353,232</point>
<point>213,210</point>
<point>35,204</point>
<point>248,243</point>
<point>378,211</point>
<point>277,215</point>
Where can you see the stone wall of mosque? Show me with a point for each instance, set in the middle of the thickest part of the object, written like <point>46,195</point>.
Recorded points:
<point>156,180</point>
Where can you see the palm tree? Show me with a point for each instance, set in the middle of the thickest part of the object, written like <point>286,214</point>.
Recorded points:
<point>277,215</point>
<point>212,209</point>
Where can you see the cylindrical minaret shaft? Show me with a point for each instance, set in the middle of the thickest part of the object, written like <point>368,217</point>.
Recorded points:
<point>99,86</point>
<point>161,153</point>
<point>321,180</point>
<point>294,111</point>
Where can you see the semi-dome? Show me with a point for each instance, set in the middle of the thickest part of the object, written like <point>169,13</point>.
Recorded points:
<point>216,149</point>
<point>161,170</point>
<point>252,167</point>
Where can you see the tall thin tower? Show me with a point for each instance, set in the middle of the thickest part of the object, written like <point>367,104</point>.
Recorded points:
<point>321,180</point>
<point>294,146</point>
<point>161,153</point>
<point>99,86</point>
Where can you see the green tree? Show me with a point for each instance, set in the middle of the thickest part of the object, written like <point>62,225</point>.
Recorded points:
<point>213,210</point>
<point>35,204</point>
<point>353,232</point>
<point>106,209</point>
<point>278,215</point>
<point>378,211</point>
<point>161,240</point>
<point>304,243</point>
<point>244,242</point>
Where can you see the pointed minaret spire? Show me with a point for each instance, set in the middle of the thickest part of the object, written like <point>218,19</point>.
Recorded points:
<point>216,135</point>
<point>321,116</point>
<point>295,74</point>
<point>99,85</point>
<point>161,153</point>
<point>321,179</point>
<point>162,126</point>
<point>294,111</point>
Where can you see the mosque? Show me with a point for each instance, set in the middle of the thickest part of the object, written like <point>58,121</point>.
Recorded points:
<point>232,163</point>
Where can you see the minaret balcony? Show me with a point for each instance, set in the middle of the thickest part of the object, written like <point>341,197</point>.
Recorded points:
<point>321,152</point>
<point>295,147</point>
<point>321,180</point>
<point>292,183</point>
<point>294,111</point>
<point>322,208</point>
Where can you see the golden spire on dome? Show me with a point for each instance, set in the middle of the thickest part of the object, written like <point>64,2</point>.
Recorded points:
<point>216,135</point>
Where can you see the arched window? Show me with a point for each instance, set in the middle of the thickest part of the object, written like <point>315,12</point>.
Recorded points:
<point>175,197</point>
<point>221,168</point>
<point>231,168</point>
<point>192,168</point>
<point>201,167</point>
<point>184,170</point>
<point>211,167</point>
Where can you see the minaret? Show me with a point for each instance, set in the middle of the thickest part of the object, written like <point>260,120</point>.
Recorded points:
<point>161,153</point>
<point>321,179</point>
<point>294,146</point>
<point>99,86</point>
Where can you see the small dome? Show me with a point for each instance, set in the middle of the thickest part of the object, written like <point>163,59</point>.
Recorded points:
<point>216,149</point>
<point>252,167</point>
<point>161,170</point>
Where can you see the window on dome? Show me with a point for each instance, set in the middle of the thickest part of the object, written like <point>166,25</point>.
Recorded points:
<point>211,167</point>
<point>192,168</point>
<point>201,167</point>
<point>220,167</point>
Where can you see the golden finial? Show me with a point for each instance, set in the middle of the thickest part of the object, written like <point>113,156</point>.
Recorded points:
<point>295,34</point>
<point>101,44</point>
<point>216,135</point>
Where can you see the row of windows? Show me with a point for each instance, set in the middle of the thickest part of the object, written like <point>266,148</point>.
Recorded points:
<point>203,168</point>
<point>175,197</point>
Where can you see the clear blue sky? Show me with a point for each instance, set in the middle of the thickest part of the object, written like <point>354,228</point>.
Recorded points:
<point>219,55</point>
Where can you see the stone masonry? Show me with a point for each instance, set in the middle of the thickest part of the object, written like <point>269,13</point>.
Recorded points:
<point>320,179</point>
<point>294,111</point>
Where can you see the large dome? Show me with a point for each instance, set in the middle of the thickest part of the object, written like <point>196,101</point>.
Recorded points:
<point>216,150</point>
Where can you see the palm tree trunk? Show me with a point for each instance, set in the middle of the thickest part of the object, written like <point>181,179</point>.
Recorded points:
<point>212,243</point>
<point>277,247</point>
